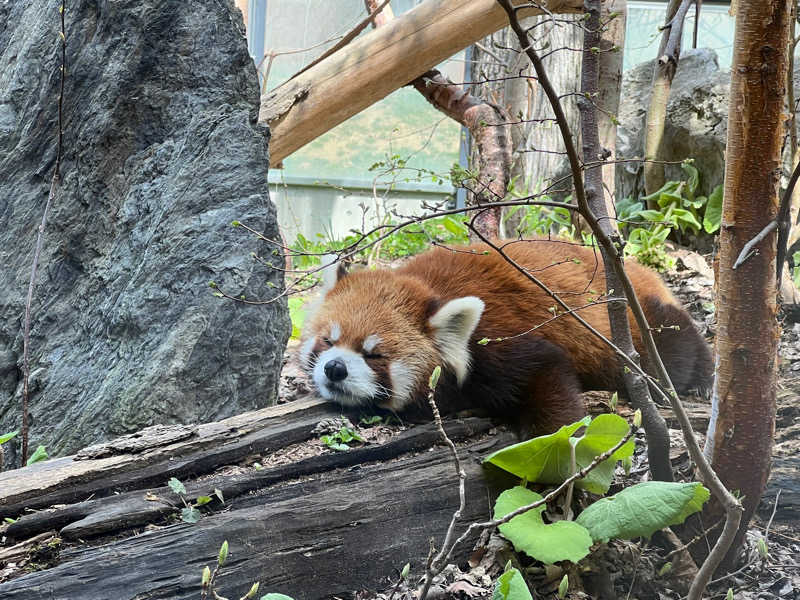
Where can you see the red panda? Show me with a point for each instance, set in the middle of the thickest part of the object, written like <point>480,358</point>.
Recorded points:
<point>377,335</point>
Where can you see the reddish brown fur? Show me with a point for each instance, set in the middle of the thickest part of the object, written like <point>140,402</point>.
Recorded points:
<point>536,377</point>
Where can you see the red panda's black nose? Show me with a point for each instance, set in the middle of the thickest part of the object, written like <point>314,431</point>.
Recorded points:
<point>335,369</point>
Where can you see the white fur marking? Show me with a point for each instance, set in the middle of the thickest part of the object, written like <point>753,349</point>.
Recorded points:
<point>305,352</point>
<point>359,387</point>
<point>336,332</point>
<point>370,342</point>
<point>404,381</point>
<point>453,325</point>
<point>329,271</point>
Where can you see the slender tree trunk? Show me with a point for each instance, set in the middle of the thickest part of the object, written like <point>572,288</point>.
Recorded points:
<point>663,73</point>
<point>743,416</point>
<point>612,42</point>
<point>635,384</point>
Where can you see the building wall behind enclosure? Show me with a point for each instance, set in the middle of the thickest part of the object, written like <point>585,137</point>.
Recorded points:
<point>403,125</point>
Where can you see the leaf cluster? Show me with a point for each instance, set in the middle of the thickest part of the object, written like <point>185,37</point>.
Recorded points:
<point>637,511</point>
<point>680,208</point>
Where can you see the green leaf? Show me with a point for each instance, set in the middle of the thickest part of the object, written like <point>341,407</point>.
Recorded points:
<point>544,459</point>
<point>667,188</point>
<point>684,216</point>
<point>38,455</point>
<point>603,433</point>
<point>670,199</point>
<point>693,181</point>
<point>373,420</point>
<point>201,500</point>
<point>511,586</point>
<point>332,442</point>
<point>9,520</point>
<point>453,226</point>
<point>190,515</point>
<point>642,509</point>
<point>652,215</point>
<point>274,596</point>
<point>713,215</point>
<point>176,486</point>
<point>563,540</point>
<point>218,494</point>
<point>7,436</point>
<point>297,315</point>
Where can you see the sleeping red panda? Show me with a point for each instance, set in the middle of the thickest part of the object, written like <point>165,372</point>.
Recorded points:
<point>377,335</point>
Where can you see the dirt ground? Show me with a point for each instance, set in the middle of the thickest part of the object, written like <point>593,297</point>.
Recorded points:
<point>636,569</point>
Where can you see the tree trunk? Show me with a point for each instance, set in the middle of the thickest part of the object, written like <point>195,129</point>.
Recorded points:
<point>663,73</point>
<point>612,42</point>
<point>635,384</point>
<point>741,430</point>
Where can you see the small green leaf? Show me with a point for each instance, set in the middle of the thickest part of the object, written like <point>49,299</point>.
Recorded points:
<point>176,486</point>
<point>729,594</point>
<point>218,494</point>
<point>434,378</point>
<point>511,586</point>
<point>713,215</point>
<point>404,572</point>
<point>253,591</point>
<point>9,520</point>
<point>202,500</point>
<point>206,577</point>
<point>763,552</point>
<point>637,418</point>
<point>666,568</point>
<point>563,587</point>
<point>369,421</point>
<point>39,455</point>
<point>274,596</point>
<point>642,509</point>
<point>190,515</point>
<point>223,553</point>
<point>562,540</point>
<point>7,436</point>
<point>483,341</point>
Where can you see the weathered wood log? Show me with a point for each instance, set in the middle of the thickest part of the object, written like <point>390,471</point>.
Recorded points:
<point>69,479</point>
<point>315,537</point>
<point>376,64</point>
<point>114,513</point>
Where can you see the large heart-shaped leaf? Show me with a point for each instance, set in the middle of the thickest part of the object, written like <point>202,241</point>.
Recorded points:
<point>642,509</point>
<point>544,459</point>
<point>563,540</point>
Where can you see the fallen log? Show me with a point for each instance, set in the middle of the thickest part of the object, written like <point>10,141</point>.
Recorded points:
<point>328,524</point>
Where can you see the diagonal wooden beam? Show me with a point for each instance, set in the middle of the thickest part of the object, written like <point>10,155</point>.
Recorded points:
<point>376,64</point>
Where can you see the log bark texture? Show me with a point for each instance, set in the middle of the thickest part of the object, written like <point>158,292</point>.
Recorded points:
<point>323,526</point>
<point>378,63</point>
<point>743,420</point>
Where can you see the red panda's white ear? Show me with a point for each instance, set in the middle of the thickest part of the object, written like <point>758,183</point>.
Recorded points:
<point>453,324</point>
<point>332,271</point>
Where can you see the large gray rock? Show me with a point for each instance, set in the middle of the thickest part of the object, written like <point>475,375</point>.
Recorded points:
<point>161,153</point>
<point>696,125</point>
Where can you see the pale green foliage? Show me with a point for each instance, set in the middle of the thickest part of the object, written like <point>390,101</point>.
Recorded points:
<point>38,455</point>
<point>562,540</point>
<point>511,586</point>
<point>642,509</point>
<point>547,459</point>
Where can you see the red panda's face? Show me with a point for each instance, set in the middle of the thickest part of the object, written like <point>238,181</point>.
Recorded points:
<point>377,337</point>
